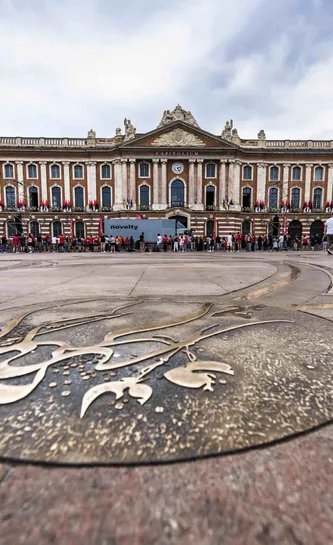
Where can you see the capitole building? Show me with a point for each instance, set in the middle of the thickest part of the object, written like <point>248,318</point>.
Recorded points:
<point>177,170</point>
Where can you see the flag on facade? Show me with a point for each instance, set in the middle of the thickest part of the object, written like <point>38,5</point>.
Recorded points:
<point>254,226</point>
<point>100,225</point>
<point>285,224</point>
<point>139,217</point>
<point>71,230</point>
<point>215,227</point>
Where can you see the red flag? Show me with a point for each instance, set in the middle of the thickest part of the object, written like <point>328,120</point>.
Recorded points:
<point>71,226</point>
<point>138,216</point>
<point>215,227</point>
<point>285,224</point>
<point>100,225</point>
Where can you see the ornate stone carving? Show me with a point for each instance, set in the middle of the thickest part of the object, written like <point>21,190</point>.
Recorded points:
<point>261,135</point>
<point>130,130</point>
<point>118,131</point>
<point>91,134</point>
<point>178,137</point>
<point>178,114</point>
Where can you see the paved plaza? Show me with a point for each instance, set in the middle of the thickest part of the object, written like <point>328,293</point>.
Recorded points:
<point>166,399</point>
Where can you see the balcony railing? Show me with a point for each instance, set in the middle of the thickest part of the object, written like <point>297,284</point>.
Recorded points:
<point>178,204</point>
<point>144,207</point>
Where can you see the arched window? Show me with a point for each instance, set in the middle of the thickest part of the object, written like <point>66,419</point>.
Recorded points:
<point>56,197</point>
<point>144,170</point>
<point>211,170</point>
<point>274,173</point>
<point>106,196</point>
<point>79,229</point>
<point>33,197</point>
<point>210,195</point>
<point>296,174</point>
<point>177,193</point>
<point>144,197</point>
<point>78,171</point>
<point>11,228</point>
<point>10,196</point>
<point>319,174</point>
<point>32,171</point>
<point>34,228</point>
<point>106,172</point>
<point>317,198</point>
<point>9,171</point>
<point>273,197</point>
<point>295,197</point>
<point>57,229</point>
<point>55,171</point>
<point>247,172</point>
<point>247,197</point>
<point>79,197</point>
<point>210,228</point>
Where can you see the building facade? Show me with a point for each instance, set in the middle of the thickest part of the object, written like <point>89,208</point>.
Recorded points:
<point>178,170</point>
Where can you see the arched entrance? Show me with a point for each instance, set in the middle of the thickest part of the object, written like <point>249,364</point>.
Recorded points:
<point>177,194</point>
<point>274,227</point>
<point>246,227</point>
<point>295,229</point>
<point>317,230</point>
<point>181,221</point>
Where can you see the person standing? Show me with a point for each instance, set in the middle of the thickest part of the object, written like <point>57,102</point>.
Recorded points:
<point>16,240</point>
<point>229,242</point>
<point>3,243</point>
<point>329,234</point>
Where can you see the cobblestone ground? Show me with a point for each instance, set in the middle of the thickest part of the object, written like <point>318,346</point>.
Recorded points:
<point>274,489</point>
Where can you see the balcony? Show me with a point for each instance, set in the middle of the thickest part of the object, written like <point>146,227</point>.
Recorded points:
<point>211,208</point>
<point>144,207</point>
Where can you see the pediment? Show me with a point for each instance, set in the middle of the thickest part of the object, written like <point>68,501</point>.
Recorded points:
<point>179,134</point>
<point>178,137</point>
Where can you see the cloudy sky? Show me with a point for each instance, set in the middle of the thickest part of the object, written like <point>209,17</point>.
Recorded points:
<point>70,65</point>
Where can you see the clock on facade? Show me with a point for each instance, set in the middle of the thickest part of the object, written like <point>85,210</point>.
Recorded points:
<point>177,168</point>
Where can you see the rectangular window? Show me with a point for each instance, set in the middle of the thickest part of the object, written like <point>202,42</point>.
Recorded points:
<point>247,173</point>
<point>144,170</point>
<point>9,171</point>
<point>211,170</point>
<point>106,172</point>
<point>32,171</point>
<point>55,171</point>
<point>78,172</point>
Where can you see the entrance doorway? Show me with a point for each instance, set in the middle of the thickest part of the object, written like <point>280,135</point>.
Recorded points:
<point>246,227</point>
<point>181,221</point>
<point>274,227</point>
<point>295,229</point>
<point>210,196</point>
<point>317,230</point>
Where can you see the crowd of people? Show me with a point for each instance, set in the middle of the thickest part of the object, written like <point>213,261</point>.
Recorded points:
<point>167,243</point>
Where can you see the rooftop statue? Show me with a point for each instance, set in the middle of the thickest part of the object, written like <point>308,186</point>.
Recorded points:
<point>178,114</point>
<point>130,130</point>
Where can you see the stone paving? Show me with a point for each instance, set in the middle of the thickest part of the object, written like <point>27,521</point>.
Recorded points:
<point>263,391</point>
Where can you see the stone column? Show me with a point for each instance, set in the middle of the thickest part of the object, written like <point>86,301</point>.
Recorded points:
<point>20,182</point>
<point>155,203</point>
<point>67,188</point>
<point>165,196</point>
<point>230,195</point>
<point>261,182</point>
<point>190,197</point>
<point>286,168</point>
<point>92,189</point>
<point>43,178</point>
<point>222,184</point>
<point>307,191</point>
<point>329,196</point>
<point>118,186</point>
<point>236,186</point>
<point>200,205</point>
<point>124,179</point>
<point>132,191</point>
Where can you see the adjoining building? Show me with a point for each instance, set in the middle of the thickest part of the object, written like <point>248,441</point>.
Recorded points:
<point>178,170</point>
